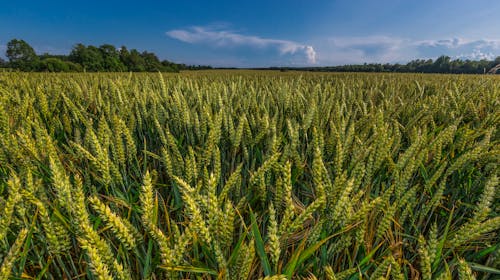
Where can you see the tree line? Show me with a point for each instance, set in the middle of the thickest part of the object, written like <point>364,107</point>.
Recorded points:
<point>443,64</point>
<point>105,58</point>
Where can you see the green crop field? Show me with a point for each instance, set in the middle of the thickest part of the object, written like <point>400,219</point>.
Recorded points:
<point>249,175</point>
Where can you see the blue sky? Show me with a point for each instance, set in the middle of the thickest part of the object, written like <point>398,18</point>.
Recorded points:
<point>262,33</point>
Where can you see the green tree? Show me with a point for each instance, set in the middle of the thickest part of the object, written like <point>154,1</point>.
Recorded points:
<point>53,65</point>
<point>135,62</point>
<point>125,57</point>
<point>442,64</point>
<point>21,55</point>
<point>90,58</point>
<point>151,62</point>
<point>169,66</point>
<point>74,67</point>
<point>111,59</point>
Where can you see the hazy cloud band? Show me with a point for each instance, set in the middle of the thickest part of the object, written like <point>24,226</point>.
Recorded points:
<point>344,50</point>
<point>384,49</point>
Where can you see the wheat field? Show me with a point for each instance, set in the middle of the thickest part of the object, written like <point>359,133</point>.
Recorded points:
<point>249,175</point>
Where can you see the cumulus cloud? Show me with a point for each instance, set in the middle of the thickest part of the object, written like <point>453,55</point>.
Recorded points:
<point>383,49</point>
<point>460,48</point>
<point>337,50</point>
<point>477,54</point>
<point>226,38</point>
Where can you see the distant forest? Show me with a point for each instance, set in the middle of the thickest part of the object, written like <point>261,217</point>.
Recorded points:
<point>107,58</point>
<point>443,64</point>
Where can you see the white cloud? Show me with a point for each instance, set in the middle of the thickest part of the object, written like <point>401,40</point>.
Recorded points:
<point>226,38</point>
<point>477,54</point>
<point>311,54</point>
<point>337,50</point>
<point>455,43</point>
<point>448,43</point>
<point>460,48</point>
<point>383,49</point>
